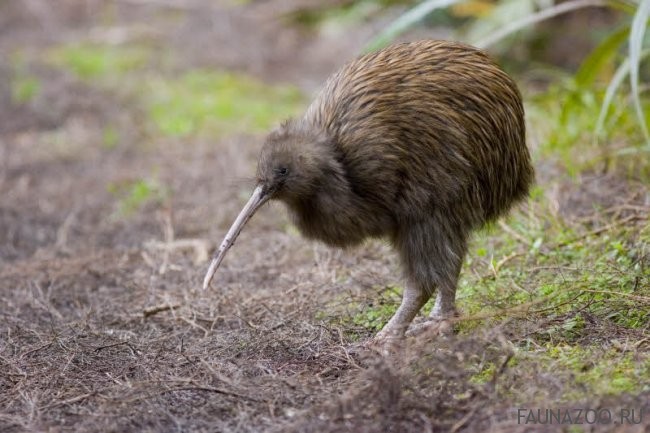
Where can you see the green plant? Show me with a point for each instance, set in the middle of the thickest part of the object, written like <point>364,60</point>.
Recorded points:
<point>375,315</point>
<point>218,103</point>
<point>24,88</point>
<point>95,61</point>
<point>110,137</point>
<point>132,195</point>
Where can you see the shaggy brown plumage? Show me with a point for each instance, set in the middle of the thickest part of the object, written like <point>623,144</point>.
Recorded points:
<point>420,143</point>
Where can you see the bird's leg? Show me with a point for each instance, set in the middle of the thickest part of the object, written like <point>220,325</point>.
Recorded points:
<point>412,301</point>
<point>432,253</point>
<point>445,306</point>
<point>443,309</point>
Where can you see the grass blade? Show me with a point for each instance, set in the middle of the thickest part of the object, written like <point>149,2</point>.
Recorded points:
<point>637,32</point>
<point>499,16</point>
<point>599,56</point>
<point>621,72</point>
<point>406,21</point>
<point>542,15</point>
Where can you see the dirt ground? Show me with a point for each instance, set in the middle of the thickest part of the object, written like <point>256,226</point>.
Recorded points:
<point>103,324</point>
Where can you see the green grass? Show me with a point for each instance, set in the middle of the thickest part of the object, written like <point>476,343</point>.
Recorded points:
<point>572,302</point>
<point>363,318</point>
<point>133,195</point>
<point>375,315</point>
<point>198,102</point>
<point>593,370</point>
<point>568,116</point>
<point>602,272</point>
<point>99,61</point>
<point>110,137</point>
<point>217,103</point>
<point>577,372</point>
<point>24,88</point>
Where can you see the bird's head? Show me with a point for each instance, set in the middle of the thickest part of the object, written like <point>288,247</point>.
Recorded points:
<point>294,161</point>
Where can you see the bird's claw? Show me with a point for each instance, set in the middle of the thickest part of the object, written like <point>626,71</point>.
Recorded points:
<point>433,327</point>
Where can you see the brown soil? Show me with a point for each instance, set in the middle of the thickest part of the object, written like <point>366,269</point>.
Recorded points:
<point>103,325</point>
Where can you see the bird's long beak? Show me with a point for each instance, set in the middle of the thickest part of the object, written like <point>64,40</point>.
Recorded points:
<point>259,197</point>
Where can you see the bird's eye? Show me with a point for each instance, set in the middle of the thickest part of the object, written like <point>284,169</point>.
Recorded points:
<point>282,171</point>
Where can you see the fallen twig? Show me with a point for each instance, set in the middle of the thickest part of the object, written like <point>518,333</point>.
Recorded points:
<point>598,230</point>
<point>194,387</point>
<point>121,343</point>
<point>148,312</point>
<point>506,228</point>
<point>69,400</point>
<point>627,295</point>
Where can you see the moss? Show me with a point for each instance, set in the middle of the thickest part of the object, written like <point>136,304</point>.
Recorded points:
<point>485,374</point>
<point>600,372</point>
<point>373,316</point>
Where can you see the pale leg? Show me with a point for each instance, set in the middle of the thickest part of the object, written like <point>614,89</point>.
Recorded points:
<point>431,252</point>
<point>412,301</point>
<point>444,307</point>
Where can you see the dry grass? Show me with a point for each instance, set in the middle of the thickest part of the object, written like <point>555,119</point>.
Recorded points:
<point>103,325</point>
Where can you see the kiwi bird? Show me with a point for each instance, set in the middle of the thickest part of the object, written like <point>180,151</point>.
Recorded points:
<point>419,143</point>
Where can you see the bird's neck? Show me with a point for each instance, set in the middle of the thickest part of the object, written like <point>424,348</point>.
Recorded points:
<point>329,212</point>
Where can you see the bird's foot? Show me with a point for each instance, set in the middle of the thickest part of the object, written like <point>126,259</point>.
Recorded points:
<point>384,346</point>
<point>390,333</point>
<point>376,345</point>
<point>387,341</point>
<point>438,326</point>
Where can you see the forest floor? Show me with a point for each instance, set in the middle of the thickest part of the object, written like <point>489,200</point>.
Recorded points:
<point>129,132</point>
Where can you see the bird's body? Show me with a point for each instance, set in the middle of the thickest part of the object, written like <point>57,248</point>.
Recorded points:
<point>419,143</point>
<point>418,129</point>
